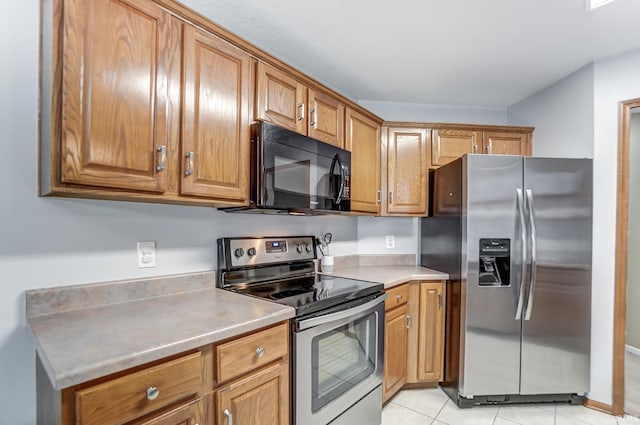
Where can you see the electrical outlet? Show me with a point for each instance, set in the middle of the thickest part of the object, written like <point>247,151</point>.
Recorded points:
<point>391,241</point>
<point>146,254</point>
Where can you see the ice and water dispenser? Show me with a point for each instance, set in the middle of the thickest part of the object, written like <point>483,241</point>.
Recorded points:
<point>494,262</point>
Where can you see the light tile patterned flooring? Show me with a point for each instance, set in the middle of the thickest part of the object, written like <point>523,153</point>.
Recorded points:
<point>632,384</point>
<point>433,407</point>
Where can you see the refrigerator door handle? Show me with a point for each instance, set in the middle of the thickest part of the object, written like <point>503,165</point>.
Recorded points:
<point>523,239</point>
<point>534,263</point>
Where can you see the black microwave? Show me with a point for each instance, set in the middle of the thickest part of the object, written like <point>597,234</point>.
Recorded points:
<point>292,173</point>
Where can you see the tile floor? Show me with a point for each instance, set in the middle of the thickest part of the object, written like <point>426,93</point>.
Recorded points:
<point>433,407</point>
<point>632,384</point>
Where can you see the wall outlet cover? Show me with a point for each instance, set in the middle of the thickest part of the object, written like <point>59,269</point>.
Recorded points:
<point>391,241</point>
<point>146,254</point>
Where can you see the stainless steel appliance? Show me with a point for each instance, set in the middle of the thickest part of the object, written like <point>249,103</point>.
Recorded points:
<point>337,334</point>
<point>514,234</point>
<point>292,173</point>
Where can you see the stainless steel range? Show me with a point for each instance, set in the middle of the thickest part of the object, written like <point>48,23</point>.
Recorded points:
<point>337,334</point>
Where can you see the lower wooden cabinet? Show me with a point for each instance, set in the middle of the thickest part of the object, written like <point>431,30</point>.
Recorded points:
<point>261,398</point>
<point>414,335</point>
<point>192,413</point>
<point>396,334</point>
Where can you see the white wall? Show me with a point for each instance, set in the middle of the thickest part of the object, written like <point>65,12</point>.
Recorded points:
<point>633,265</point>
<point>563,109</point>
<point>372,233</point>
<point>420,112</point>
<point>562,115</point>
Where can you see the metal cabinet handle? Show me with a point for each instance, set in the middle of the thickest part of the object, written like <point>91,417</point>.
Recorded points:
<point>475,148</point>
<point>153,393</point>
<point>189,169</point>
<point>399,297</point>
<point>379,199</point>
<point>313,116</point>
<point>409,321</point>
<point>162,163</point>
<point>439,301</point>
<point>301,108</point>
<point>391,197</point>
<point>229,416</point>
<point>260,351</point>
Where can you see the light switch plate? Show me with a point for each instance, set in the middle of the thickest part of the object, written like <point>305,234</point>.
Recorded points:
<point>146,254</point>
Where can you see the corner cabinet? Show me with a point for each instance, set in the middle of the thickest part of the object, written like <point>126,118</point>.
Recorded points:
<point>363,140</point>
<point>140,105</point>
<point>283,100</point>
<point>431,337</point>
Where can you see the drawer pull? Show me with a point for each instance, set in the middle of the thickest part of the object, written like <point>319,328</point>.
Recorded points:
<point>229,416</point>
<point>152,393</point>
<point>260,351</point>
<point>399,297</point>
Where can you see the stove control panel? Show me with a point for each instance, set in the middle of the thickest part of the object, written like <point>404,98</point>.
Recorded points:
<point>243,252</point>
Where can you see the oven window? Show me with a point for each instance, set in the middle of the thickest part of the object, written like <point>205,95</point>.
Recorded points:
<point>342,358</point>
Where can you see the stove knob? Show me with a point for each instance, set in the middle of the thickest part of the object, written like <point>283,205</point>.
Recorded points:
<point>299,248</point>
<point>251,252</point>
<point>308,247</point>
<point>239,252</point>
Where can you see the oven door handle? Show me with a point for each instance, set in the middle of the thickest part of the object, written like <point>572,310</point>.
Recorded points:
<point>332,317</point>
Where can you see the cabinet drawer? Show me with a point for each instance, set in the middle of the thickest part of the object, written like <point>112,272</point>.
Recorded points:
<point>396,296</point>
<point>123,399</point>
<point>244,354</point>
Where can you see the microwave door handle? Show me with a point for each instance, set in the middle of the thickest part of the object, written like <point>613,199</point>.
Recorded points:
<point>336,160</point>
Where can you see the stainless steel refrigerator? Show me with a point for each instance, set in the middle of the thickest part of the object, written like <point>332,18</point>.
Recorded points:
<point>514,233</point>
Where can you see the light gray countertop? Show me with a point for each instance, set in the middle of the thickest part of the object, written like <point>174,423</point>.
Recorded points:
<point>389,275</point>
<point>80,345</point>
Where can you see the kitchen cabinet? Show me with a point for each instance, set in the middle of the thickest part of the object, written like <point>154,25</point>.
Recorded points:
<point>506,143</point>
<point>363,140</point>
<point>431,334</point>
<point>261,393</point>
<point>192,413</point>
<point>216,118</point>
<point>143,106</point>
<point>407,170</point>
<point>449,145</point>
<point>283,100</point>
<point>396,330</point>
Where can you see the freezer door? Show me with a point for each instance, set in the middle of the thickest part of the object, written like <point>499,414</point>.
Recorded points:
<point>557,312</point>
<point>489,327</point>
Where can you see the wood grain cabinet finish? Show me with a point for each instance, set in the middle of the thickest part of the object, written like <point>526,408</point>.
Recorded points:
<point>506,143</point>
<point>192,413</point>
<point>395,344</point>
<point>431,331</point>
<point>283,100</point>
<point>363,140</point>
<point>114,94</point>
<point>449,145</point>
<point>216,117</point>
<point>260,398</point>
<point>131,396</point>
<point>407,171</point>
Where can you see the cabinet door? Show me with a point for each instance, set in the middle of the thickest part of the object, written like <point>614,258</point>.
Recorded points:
<point>326,118</point>
<point>363,140</point>
<point>215,127</point>
<point>280,99</point>
<point>407,171</point>
<point>501,143</point>
<point>431,336</point>
<point>190,414</point>
<point>115,93</point>
<point>449,145</point>
<point>259,399</point>
<point>395,351</point>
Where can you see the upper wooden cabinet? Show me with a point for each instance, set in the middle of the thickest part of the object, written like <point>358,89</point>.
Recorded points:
<point>143,106</point>
<point>407,170</point>
<point>282,100</point>
<point>216,117</point>
<point>114,94</point>
<point>363,140</point>
<point>448,145</point>
<point>506,143</point>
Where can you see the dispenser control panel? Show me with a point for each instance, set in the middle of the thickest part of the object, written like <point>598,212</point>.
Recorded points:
<point>494,262</point>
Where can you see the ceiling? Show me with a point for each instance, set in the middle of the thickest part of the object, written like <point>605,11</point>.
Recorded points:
<point>454,52</point>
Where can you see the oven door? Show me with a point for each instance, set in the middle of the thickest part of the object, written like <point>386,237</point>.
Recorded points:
<point>338,360</point>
